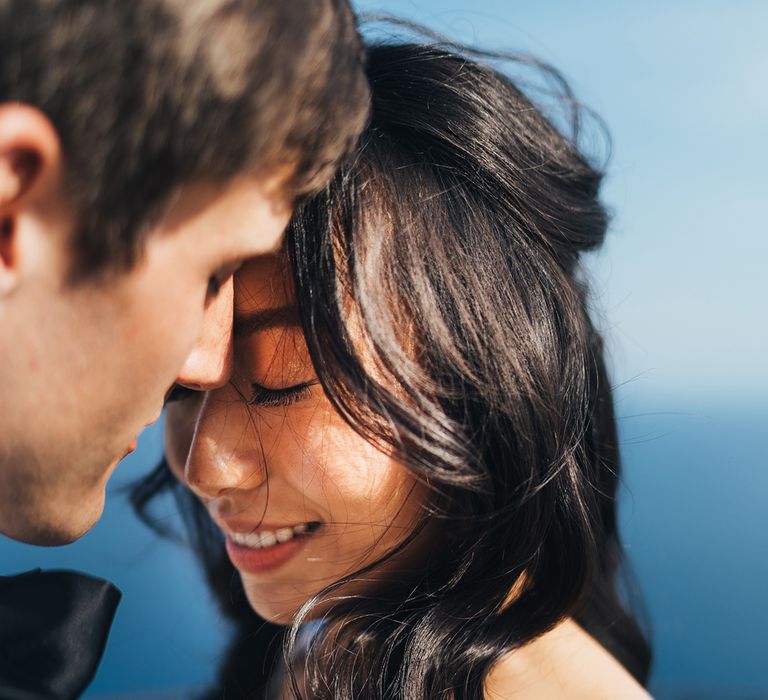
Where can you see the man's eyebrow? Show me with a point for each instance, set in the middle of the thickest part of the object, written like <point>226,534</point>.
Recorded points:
<point>264,319</point>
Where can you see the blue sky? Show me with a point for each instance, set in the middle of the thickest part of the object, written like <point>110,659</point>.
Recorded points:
<point>683,89</point>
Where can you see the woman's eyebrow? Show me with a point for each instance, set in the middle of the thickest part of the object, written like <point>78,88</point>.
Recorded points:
<point>264,319</point>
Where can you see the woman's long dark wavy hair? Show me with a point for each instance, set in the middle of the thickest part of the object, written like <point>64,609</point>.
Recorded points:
<point>439,285</point>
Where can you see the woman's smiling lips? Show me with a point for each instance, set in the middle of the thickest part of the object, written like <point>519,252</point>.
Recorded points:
<point>257,550</point>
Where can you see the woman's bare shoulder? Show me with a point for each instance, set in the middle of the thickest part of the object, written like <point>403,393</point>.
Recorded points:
<point>563,664</point>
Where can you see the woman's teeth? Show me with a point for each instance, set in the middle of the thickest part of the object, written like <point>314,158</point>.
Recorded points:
<point>269,538</point>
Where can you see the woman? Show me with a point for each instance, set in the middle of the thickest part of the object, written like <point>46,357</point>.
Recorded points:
<point>417,450</point>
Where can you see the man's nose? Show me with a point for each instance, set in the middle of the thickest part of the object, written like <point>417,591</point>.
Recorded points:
<point>226,455</point>
<point>209,363</point>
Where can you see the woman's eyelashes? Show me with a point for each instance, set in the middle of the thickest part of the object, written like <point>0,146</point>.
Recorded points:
<point>261,396</point>
<point>265,397</point>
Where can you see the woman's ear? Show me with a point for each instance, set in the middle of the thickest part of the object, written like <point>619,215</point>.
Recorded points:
<point>30,164</point>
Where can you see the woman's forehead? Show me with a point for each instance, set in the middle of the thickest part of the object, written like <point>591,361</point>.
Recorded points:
<point>267,327</point>
<point>263,283</point>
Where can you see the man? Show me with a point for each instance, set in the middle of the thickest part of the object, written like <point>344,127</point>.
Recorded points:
<point>147,147</point>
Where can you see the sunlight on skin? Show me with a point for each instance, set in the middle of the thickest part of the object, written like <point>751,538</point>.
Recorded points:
<point>267,466</point>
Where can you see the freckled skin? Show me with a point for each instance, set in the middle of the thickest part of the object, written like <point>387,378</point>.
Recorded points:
<point>291,464</point>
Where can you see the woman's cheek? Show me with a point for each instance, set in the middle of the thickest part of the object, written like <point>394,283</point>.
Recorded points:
<point>358,483</point>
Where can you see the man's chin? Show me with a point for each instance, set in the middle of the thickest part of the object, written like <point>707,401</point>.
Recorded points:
<point>47,527</point>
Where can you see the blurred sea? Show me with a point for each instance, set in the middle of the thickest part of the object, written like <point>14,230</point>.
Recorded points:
<point>694,518</point>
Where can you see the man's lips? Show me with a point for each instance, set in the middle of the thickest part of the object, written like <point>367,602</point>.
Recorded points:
<point>134,443</point>
<point>131,448</point>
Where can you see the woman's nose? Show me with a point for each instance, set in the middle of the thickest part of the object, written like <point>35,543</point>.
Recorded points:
<point>225,454</point>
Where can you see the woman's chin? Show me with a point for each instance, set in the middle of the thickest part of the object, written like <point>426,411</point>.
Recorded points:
<point>272,607</point>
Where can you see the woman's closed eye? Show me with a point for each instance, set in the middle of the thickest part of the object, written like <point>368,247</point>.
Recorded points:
<point>264,397</point>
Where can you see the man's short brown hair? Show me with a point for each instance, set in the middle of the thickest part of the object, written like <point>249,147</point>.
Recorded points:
<point>149,94</point>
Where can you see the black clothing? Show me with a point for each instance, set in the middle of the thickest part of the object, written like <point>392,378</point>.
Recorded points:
<point>53,629</point>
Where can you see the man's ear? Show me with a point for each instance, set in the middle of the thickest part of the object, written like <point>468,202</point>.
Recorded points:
<point>30,163</point>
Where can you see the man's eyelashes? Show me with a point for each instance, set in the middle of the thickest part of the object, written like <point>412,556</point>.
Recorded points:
<point>219,279</point>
